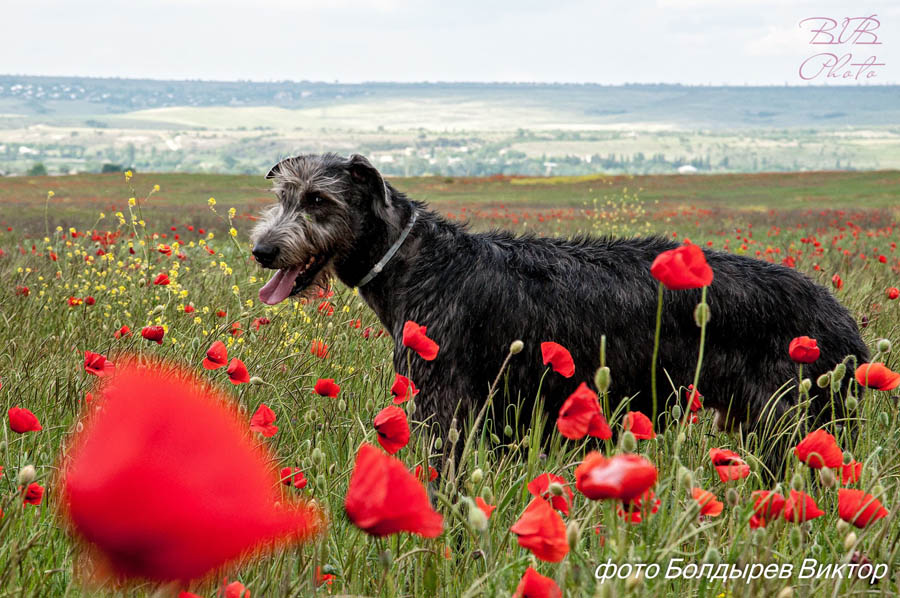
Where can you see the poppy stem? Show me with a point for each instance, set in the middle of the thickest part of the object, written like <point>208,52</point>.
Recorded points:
<point>659,305</point>
<point>702,342</point>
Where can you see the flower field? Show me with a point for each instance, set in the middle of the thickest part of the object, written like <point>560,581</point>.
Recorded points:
<point>273,451</point>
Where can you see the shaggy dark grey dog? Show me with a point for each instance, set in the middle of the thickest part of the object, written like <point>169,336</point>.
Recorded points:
<point>477,293</point>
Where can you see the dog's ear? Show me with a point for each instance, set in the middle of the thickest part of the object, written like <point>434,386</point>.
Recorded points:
<point>364,173</point>
<point>275,170</point>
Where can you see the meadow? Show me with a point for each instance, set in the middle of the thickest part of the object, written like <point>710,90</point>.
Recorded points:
<point>91,262</point>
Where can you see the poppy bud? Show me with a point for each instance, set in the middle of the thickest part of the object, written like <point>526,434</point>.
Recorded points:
<point>27,475</point>
<point>805,385</point>
<point>787,592</point>
<point>79,427</point>
<point>732,497</point>
<point>840,370</point>
<point>878,490</point>
<point>827,477</point>
<point>573,536</point>
<point>410,407</point>
<point>256,380</point>
<point>629,442</point>
<point>848,458</point>
<point>555,489</point>
<point>516,347</point>
<point>320,481</point>
<point>487,495</point>
<point>681,438</point>
<point>823,380</point>
<point>2,446</point>
<point>385,558</point>
<point>370,405</point>
<point>318,457</point>
<point>852,403</point>
<point>712,556</point>
<point>342,405</point>
<point>884,419</point>
<point>797,480</point>
<point>796,538</point>
<point>602,379</point>
<point>477,476</point>
<point>842,526</point>
<point>701,314</point>
<point>508,431</point>
<point>849,541</point>
<point>685,478</point>
<point>494,438</point>
<point>883,346</point>
<point>477,518</point>
<point>438,443</point>
<point>453,436</point>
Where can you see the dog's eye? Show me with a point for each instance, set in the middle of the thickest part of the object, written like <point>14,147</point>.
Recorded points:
<point>313,199</point>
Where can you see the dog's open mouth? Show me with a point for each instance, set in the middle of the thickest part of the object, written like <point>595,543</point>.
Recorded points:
<point>290,281</point>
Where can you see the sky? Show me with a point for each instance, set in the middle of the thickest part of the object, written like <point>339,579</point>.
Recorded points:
<point>696,42</point>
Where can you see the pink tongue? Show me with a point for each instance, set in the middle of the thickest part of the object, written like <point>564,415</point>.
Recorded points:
<point>280,286</point>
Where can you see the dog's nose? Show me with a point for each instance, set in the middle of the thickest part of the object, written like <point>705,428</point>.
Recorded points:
<point>264,253</point>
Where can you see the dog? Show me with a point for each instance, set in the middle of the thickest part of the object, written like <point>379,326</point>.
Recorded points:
<point>478,292</point>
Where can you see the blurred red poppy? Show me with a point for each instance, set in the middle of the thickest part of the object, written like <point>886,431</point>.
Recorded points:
<point>633,511</point>
<point>535,585</point>
<point>638,424</point>
<point>403,389</point>
<point>257,322</point>
<point>237,372</point>
<point>263,420</point>
<point>161,280</point>
<point>319,349</point>
<point>893,293</point>
<point>236,590</point>
<point>859,508</point>
<point>581,415</point>
<point>216,356</point>
<point>625,477</point>
<point>767,506</point>
<point>392,428</point>
<point>819,449</point>
<point>541,530</point>
<point>877,376</point>
<point>695,399</point>
<point>729,465</point>
<point>293,476</point>
<point>385,498</point>
<point>837,282</point>
<point>420,474</point>
<point>682,268</point>
<point>122,332</point>
<point>485,508</point>
<point>803,349</point>
<point>22,420</point>
<point>540,486</point>
<point>709,505</point>
<point>33,494</point>
<point>97,364</point>
<point>851,472</point>
<point>325,387</point>
<point>801,507</point>
<point>144,489</point>
<point>189,309</point>
<point>414,337</point>
<point>153,333</point>
<point>559,358</point>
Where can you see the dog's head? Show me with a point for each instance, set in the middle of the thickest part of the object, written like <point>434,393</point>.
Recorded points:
<point>324,205</point>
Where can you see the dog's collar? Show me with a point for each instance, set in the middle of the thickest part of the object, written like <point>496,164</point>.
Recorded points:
<point>390,252</point>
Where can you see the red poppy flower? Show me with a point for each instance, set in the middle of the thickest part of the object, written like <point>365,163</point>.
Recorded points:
<point>22,420</point>
<point>22,291</point>
<point>893,293</point>
<point>188,595</point>
<point>263,420</point>
<point>153,333</point>
<point>403,389</point>
<point>122,332</point>
<point>859,508</point>
<point>216,356</point>
<point>74,301</point>
<point>90,300</point>
<point>326,308</point>
<point>540,486</point>
<point>164,249</point>
<point>767,506</point>
<point>485,508</point>
<point>837,282</point>
<point>414,338</point>
<point>682,268</point>
<point>541,530</point>
<point>559,359</point>
<point>221,313</point>
<point>385,498</point>
<point>189,309</point>
<point>237,372</point>
<point>709,505</point>
<point>638,424</point>
<point>144,489</point>
<point>236,330</point>
<point>729,465</point>
<point>695,399</point>
<point>581,415</point>
<point>819,449</point>
<point>801,507</point>
<point>97,364</point>
<point>535,585</point>
<point>293,476</point>
<point>851,472</point>
<point>875,375</point>
<point>327,578</point>
<point>325,387</point>
<point>803,349</point>
<point>420,473</point>
<point>161,280</point>
<point>625,477</point>
<point>236,590</point>
<point>257,322</point>
<point>319,349</point>
<point>33,495</point>
<point>633,511</point>
<point>393,429</point>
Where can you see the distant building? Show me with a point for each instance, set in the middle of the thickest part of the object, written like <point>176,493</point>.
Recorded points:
<point>686,169</point>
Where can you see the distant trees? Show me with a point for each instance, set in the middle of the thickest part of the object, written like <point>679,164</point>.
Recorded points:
<point>37,169</point>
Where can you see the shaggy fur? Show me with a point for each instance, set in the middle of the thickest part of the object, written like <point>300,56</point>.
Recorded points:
<point>477,293</point>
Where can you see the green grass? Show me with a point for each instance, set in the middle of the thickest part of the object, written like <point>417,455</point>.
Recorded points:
<point>41,368</point>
